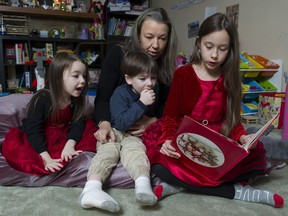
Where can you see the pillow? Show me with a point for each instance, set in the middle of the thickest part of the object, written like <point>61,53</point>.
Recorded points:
<point>12,111</point>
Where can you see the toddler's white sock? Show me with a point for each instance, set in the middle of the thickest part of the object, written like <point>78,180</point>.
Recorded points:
<point>143,191</point>
<point>93,196</point>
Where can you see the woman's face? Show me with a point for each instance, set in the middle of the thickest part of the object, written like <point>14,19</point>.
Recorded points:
<point>154,37</point>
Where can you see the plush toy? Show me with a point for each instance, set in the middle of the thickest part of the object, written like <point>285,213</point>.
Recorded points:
<point>89,57</point>
<point>40,70</point>
<point>181,59</point>
<point>99,8</point>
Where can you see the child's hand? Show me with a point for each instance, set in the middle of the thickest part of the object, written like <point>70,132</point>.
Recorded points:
<point>245,138</point>
<point>169,150</point>
<point>69,151</point>
<point>139,127</point>
<point>50,164</point>
<point>147,96</point>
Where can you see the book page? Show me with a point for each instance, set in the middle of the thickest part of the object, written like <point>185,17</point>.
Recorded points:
<point>257,135</point>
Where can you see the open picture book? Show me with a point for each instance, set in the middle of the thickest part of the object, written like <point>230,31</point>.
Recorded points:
<point>208,152</point>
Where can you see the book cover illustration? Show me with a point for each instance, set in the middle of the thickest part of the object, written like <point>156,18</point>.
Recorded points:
<point>209,153</point>
<point>200,150</point>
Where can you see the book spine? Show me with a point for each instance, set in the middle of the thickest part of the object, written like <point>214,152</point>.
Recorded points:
<point>27,79</point>
<point>49,51</point>
<point>18,53</point>
<point>25,53</point>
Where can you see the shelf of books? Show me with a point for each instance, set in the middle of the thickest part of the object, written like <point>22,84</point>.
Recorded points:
<point>120,27</point>
<point>121,16</point>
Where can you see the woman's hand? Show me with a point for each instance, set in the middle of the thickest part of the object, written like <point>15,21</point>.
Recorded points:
<point>69,150</point>
<point>105,133</point>
<point>50,164</point>
<point>139,127</point>
<point>169,150</point>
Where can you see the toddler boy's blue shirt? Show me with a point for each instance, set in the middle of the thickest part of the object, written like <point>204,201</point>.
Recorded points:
<point>126,108</point>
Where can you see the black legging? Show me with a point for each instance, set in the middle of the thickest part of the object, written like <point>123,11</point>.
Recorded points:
<point>225,190</point>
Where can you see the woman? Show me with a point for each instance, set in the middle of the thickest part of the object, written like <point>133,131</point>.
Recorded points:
<point>153,33</point>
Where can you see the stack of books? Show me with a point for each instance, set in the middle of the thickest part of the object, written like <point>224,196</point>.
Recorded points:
<point>16,25</point>
<point>119,5</point>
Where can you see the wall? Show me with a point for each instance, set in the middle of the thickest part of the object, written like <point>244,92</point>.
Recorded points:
<point>262,25</point>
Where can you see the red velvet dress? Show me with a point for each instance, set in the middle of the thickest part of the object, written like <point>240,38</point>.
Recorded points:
<point>20,154</point>
<point>201,100</point>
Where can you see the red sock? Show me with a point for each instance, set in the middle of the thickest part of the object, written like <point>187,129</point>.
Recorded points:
<point>244,183</point>
<point>279,202</point>
<point>158,191</point>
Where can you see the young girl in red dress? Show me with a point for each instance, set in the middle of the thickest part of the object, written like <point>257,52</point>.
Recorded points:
<point>55,129</point>
<point>209,91</point>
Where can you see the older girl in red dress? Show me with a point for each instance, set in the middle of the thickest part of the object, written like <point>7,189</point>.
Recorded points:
<point>209,91</point>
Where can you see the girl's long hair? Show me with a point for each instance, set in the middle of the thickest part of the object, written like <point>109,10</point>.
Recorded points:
<point>230,68</point>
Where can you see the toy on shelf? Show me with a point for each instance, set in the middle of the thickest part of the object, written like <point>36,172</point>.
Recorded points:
<point>251,85</point>
<point>266,63</point>
<point>257,66</point>
<point>247,62</point>
<point>89,57</point>
<point>266,85</point>
<point>181,59</point>
<point>40,70</point>
<point>98,7</point>
<point>249,107</point>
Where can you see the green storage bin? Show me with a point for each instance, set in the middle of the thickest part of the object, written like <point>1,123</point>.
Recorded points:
<point>268,86</point>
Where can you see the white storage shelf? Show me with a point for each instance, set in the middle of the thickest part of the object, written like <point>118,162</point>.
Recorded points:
<point>275,79</point>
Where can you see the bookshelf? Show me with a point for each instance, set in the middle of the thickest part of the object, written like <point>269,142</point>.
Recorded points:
<point>13,70</point>
<point>120,21</point>
<point>46,14</point>
<point>40,18</point>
